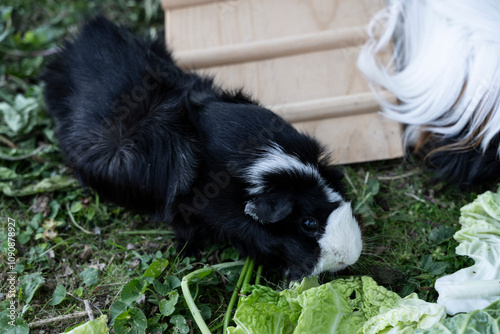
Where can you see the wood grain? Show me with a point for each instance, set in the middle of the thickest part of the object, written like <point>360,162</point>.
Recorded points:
<point>173,4</point>
<point>337,106</point>
<point>271,48</point>
<point>298,57</point>
<point>357,138</point>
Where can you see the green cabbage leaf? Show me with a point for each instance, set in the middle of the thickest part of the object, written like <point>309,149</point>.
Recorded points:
<point>96,326</point>
<point>477,286</point>
<point>353,305</point>
<point>485,321</point>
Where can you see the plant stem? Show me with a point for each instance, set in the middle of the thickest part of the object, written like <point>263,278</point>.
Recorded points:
<point>49,321</point>
<point>234,296</point>
<point>249,273</point>
<point>72,219</point>
<point>259,273</point>
<point>195,312</point>
<point>31,154</point>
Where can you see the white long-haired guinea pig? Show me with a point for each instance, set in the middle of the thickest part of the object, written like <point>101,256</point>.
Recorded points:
<point>213,164</point>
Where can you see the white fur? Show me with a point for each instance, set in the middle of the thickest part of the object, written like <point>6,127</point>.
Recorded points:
<point>341,242</point>
<point>444,66</point>
<point>276,160</point>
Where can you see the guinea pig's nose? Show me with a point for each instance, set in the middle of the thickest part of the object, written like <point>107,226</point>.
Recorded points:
<point>341,242</point>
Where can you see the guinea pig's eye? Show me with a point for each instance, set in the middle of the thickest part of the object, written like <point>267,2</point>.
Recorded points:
<point>310,224</point>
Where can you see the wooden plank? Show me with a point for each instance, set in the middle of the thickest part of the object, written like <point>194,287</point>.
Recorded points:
<point>271,48</point>
<point>357,138</point>
<point>298,57</point>
<point>297,78</point>
<point>338,106</point>
<point>174,4</point>
<point>230,22</point>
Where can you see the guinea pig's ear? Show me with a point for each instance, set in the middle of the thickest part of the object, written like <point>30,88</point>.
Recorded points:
<point>269,208</point>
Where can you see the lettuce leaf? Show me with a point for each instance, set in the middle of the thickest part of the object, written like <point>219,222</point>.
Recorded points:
<point>326,309</point>
<point>477,286</point>
<point>96,326</point>
<point>486,321</point>
<point>353,305</point>
<point>263,311</point>
<point>410,314</point>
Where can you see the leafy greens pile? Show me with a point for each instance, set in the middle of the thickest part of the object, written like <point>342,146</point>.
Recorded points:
<point>485,321</point>
<point>354,305</point>
<point>477,286</point>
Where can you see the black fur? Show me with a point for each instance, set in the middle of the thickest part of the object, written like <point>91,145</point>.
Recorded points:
<point>151,137</point>
<point>466,167</point>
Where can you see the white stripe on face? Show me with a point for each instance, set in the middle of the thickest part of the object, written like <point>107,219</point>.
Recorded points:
<point>341,242</point>
<point>275,160</point>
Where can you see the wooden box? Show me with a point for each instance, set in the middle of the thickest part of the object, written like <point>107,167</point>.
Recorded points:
<point>297,57</point>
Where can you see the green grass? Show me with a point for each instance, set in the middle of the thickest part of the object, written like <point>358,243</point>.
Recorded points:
<point>75,248</point>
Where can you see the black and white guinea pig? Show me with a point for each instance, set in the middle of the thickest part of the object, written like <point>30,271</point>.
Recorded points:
<point>214,164</point>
